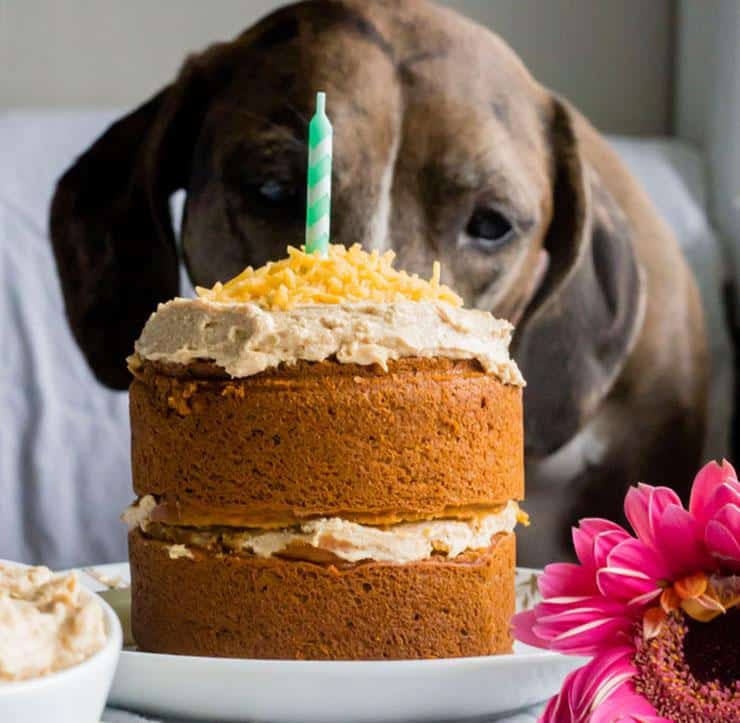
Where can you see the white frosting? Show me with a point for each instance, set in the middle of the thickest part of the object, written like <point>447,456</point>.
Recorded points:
<point>47,622</point>
<point>177,551</point>
<point>403,542</point>
<point>138,515</point>
<point>246,339</point>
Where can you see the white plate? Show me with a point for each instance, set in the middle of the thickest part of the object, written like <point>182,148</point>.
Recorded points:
<point>288,691</point>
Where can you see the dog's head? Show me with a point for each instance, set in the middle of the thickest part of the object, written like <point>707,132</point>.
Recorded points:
<point>444,148</point>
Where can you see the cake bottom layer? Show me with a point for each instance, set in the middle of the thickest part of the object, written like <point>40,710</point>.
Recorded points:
<point>251,607</point>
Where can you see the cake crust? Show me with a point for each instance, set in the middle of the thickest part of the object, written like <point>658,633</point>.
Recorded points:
<point>203,603</point>
<point>424,439</point>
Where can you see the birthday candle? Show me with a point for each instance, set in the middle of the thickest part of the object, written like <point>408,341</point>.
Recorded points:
<point>318,206</point>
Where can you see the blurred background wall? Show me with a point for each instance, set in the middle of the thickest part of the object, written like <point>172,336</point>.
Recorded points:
<point>612,58</point>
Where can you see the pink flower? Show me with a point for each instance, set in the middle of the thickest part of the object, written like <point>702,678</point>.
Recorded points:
<point>630,601</point>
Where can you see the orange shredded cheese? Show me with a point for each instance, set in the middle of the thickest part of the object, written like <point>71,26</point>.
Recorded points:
<point>345,275</point>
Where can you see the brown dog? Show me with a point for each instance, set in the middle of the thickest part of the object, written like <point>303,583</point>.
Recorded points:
<point>445,148</point>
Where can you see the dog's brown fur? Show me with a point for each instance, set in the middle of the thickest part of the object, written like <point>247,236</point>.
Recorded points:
<point>436,121</point>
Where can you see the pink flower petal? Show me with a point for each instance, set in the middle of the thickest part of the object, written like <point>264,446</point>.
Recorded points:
<point>638,603</point>
<point>522,625</point>
<point>636,504</point>
<point>723,544</point>
<point>583,537</point>
<point>553,626</point>
<point>558,709</point>
<point>729,516</point>
<point>645,504</point>
<point>605,543</point>
<point>636,555</point>
<point>627,706</point>
<point>600,679</point>
<point>596,525</point>
<point>728,493</point>
<point>566,579</point>
<point>589,638</point>
<point>680,540</point>
<point>633,570</point>
<point>625,584</point>
<point>581,609</point>
<point>709,477</point>
<point>613,715</point>
<point>602,691</point>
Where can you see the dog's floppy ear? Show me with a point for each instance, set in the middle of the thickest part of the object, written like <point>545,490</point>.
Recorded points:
<point>110,224</point>
<point>579,329</point>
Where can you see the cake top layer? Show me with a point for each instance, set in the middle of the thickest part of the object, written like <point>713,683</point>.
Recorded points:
<point>245,339</point>
<point>352,306</point>
<point>346,275</point>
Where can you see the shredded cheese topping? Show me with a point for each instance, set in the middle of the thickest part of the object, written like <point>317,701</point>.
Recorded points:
<point>346,275</point>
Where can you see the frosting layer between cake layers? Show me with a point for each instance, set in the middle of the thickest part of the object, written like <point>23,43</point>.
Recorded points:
<point>349,541</point>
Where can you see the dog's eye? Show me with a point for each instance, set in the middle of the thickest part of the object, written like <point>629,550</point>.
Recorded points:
<point>276,192</point>
<point>489,228</point>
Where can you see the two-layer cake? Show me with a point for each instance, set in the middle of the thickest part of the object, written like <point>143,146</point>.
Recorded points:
<point>327,455</point>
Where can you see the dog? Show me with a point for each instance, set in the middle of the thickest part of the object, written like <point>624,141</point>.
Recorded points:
<point>445,148</point>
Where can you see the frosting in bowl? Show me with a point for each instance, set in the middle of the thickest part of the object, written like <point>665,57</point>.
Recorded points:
<point>47,622</point>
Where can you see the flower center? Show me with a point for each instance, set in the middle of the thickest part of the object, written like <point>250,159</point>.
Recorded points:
<point>712,650</point>
<point>690,671</point>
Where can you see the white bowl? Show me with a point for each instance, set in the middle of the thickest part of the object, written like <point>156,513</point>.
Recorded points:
<point>73,695</point>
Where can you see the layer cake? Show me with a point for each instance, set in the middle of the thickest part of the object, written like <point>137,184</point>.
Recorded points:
<point>328,456</point>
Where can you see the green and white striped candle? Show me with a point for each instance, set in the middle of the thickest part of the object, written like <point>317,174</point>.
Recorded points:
<point>318,206</point>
